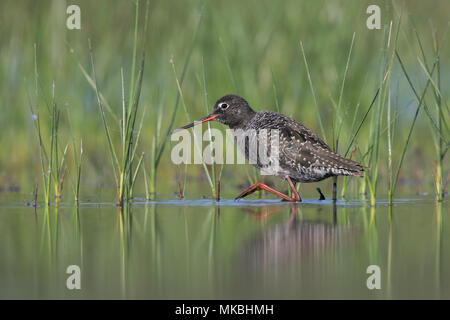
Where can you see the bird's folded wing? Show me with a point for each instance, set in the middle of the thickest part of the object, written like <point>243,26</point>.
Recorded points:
<point>309,155</point>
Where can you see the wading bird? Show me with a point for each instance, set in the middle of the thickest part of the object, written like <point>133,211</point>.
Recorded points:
<point>301,155</point>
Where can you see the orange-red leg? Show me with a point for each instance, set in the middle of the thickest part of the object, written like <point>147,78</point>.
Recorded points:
<point>261,186</point>
<point>295,194</point>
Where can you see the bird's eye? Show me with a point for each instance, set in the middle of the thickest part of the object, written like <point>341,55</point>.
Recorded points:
<point>223,105</point>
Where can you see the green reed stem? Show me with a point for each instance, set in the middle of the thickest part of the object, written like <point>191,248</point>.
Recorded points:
<point>161,148</point>
<point>123,171</point>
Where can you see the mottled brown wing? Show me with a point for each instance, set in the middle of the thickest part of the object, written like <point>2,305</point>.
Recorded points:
<point>304,150</point>
<point>294,129</point>
<point>299,154</point>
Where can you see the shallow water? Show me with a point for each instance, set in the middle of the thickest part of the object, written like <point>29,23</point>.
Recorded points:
<point>251,249</point>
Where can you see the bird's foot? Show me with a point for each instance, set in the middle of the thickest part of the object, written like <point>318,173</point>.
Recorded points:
<point>322,197</point>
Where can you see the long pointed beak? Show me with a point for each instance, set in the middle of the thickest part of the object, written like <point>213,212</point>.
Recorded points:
<point>205,119</point>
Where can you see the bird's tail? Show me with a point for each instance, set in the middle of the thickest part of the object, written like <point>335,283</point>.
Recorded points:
<point>345,167</point>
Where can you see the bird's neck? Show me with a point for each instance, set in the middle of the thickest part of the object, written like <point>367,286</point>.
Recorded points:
<point>244,118</point>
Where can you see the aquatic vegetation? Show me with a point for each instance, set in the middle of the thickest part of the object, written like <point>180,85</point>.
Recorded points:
<point>335,81</point>
<point>158,147</point>
<point>439,127</point>
<point>376,124</point>
<point>52,158</point>
<point>77,161</point>
<point>124,172</point>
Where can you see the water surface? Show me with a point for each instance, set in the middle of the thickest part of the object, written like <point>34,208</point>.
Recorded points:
<point>251,249</point>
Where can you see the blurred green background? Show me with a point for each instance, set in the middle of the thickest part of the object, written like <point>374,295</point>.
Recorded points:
<point>250,48</point>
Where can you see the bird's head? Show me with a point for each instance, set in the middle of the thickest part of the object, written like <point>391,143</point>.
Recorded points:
<point>231,110</point>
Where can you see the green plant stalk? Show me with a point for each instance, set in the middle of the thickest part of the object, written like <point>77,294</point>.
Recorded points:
<point>363,184</point>
<point>78,183</point>
<point>319,117</point>
<point>346,180</point>
<point>147,188</point>
<point>114,159</point>
<point>440,155</point>
<point>133,180</point>
<point>339,116</point>
<point>373,149</point>
<point>363,120</point>
<point>45,177</point>
<point>112,152</point>
<point>161,149</point>
<point>195,137</point>
<point>438,129</point>
<point>153,168</point>
<point>157,126</point>
<point>133,156</point>
<point>421,100</point>
<point>214,187</point>
<point>338,109</point>
<point>56,167</point>
<point>184,180</point>
<point>138,134</point>
<point>130,114</point>
<point>133,63</point>
<point>389,141</point>
<point>49,177</point>
<point>377,133</point>
<point>124,177</point>
<point>42,153</point>
<point>77,161</point>
<point>37,123</point>
<point>61,174</point>
<point>375,156</point>
<point>52,142</point>
<point>136,143</point>
<point>376,123</point>
<point>126,170</point>
<point>391,130</point>
<point>409,136</point>
<point>55,120</point>
<point>93,84</point>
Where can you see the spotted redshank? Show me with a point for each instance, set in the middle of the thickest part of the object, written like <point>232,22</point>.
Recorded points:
<point>301,155</point>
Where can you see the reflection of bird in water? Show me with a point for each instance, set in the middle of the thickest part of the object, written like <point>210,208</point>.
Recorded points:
<point>292,240</point>
<point>261,213</point>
